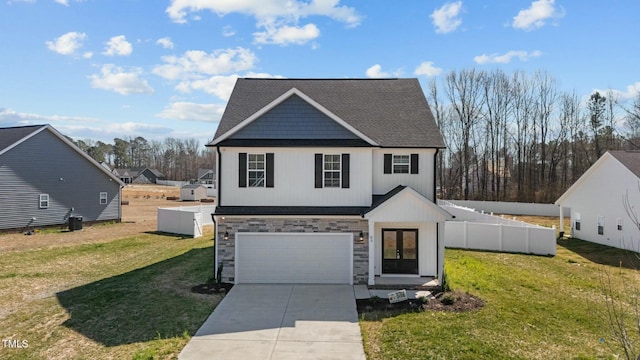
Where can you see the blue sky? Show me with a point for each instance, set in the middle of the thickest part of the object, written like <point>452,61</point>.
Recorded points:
<point>101,69</point>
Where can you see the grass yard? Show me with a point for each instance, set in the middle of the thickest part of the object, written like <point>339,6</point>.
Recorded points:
<point>536,308</point>
<point>122,299</point>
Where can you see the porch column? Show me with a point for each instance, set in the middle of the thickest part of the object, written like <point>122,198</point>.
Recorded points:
<point>372,253</point>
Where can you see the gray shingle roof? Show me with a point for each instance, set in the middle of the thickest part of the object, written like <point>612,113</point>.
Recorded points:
<point>9,136</point>
<point>630,159</point>
<point>391,112</point>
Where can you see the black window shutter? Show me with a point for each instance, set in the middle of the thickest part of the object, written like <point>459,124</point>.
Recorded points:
<point>242,170</point>
<point>318,171</point>
<point>269,169</point>
<point>387,163</point>
<point>414,163</point>
<point>345,171</point>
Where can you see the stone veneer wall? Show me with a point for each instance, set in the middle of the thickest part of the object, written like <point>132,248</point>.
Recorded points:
<point>232,225</point>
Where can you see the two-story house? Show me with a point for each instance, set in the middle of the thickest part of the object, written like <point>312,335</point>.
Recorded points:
<point>327,181</point>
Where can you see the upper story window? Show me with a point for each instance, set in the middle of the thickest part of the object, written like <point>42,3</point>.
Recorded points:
<point>43,202</point>
<point>401,164</point>
<point>103,198</point>
<point>256,170</point>
<point>331,170</point>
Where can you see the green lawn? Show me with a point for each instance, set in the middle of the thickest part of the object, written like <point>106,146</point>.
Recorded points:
<point>536,308</point>
<point>123,299</point>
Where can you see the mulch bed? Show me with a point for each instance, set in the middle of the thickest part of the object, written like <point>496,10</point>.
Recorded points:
<point>212,288</point>
<point>455,301</point>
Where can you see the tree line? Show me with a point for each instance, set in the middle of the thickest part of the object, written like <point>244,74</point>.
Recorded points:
<point>177,159</point>
<point>518,137</point>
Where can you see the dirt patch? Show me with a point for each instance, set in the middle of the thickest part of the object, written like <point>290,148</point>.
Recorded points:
<point>455,301</point>
<point>212,288</point>
<point>138,217</point>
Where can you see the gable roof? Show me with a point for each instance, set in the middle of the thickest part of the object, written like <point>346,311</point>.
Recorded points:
<point>398,201</point>
<point>14,136</point>
<point>382,112</point>
<point>628,159</point>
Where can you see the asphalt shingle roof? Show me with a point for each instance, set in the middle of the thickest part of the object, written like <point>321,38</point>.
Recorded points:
<point>9,136</point>
<point>630,159</point>
<point>391,112</point>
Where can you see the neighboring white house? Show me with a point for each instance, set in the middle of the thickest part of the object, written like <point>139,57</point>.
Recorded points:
<point>327,181</point>
<point>597,201</point>
<point>193,192</point>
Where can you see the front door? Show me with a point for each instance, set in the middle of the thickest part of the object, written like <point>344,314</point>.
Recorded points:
<point>400,251</point>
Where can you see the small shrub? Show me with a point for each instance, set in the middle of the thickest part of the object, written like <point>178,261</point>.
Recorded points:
<point>448,299</point>
<point>445,282</point>
<point>423,300</point>
<point>376,300</point>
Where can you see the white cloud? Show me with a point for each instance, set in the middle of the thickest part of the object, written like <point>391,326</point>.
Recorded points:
<point>115,79</point>
<point>375,71</point>
<point>278,18</point>
<point>9,117</point>
<point>506,57</point>
<point>285,35</point>
<point>118,45</point>
<point>446,18</point>
<point>265,9</point>
<point>192,112</point>
<point>196,63</point>
<point>629,93</point>
<point>63,2</point>
<point>228,31</point>
<point>165,42</point>
<point>427,69</point>
<point>68,43</point>
<point>87,55</point>
<point>536,15</point>
<point>220,86</point>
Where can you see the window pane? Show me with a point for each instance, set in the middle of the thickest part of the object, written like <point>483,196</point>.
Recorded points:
<point>256,178</point>
<point>331,179</point>
<point>389,244</point>
<point>409,245</point>
<point>401,164</point>
<point>256,161</point>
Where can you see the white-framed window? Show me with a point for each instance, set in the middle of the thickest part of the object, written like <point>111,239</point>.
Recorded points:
<point>43,202</point>
<point>619,221</point>
<point>577,225</point>
<point>600,225</point>
<point>255,169</point>
<point>103,198</point>
<point>401,164</point>
<point>331,170</point>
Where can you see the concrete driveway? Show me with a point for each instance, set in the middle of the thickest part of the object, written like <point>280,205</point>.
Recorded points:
<point>280,321</point>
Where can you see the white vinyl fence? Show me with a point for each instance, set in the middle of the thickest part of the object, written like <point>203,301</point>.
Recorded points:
<point>478,231</point>
<point>185,220</point>
<point>513,208</point>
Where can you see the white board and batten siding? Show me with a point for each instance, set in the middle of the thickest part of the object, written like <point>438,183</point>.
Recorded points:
<point>421,182</point>
<point>314,258</point>
<point>294,179</point>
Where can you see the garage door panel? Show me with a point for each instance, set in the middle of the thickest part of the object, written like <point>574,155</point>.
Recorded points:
<point>293,258</point>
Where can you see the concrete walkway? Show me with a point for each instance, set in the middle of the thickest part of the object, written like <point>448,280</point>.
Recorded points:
<point>280,321</point>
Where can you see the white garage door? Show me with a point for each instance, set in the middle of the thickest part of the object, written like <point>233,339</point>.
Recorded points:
<point>313,258</point>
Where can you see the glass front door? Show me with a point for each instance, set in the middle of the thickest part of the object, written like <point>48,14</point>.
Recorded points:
<point>400,251</point>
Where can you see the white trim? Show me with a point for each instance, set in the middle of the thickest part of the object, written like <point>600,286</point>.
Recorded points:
<point>43,198</point>
<point>278,101</point>
<point>106,198</point>
<point>347,235</point>
<point>325,171</point>
<point>264,170</point>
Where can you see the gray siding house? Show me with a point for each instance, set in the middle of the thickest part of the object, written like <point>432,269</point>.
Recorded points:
<point>45,179</point>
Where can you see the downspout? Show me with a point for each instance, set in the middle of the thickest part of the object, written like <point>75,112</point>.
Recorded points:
<point>215,224</point>
<point>435,168</point>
